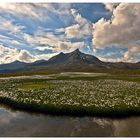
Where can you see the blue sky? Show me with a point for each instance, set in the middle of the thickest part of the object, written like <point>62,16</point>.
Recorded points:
<point>34,31</point>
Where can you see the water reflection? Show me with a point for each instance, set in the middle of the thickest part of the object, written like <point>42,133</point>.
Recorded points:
<point>16,123</point>
<point>127,127</point>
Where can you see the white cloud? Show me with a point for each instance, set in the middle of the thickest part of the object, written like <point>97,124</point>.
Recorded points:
<point>78,18</point>
<point>15,42</point>
<point>8,25</point>
<point>135,48</point>
<point>49,41</point>
<point>102,58</point>
<point>21,9</point>
<point>45,56</point>
<point>25,56</point>
<point>60,30</point>
<point>126,56</point>
<point>44,48</point>
<point>10,32</point>
<point>84,25</point>
<point>8,55</point>
<point>68,46</point>
<point>79,29</point>
<point>122,29</point>
<point>111,6</point>
<point>39,11</point>
<point>73,31</point>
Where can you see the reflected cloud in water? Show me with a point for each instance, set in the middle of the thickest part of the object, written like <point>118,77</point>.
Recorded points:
<point>16,123</point>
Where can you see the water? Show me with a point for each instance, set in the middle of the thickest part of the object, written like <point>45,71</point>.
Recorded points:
<point>18,123</point>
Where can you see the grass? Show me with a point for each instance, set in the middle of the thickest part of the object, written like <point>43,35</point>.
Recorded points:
<point>47,72</point>
<point>74,94</point>
<point>32,86</point>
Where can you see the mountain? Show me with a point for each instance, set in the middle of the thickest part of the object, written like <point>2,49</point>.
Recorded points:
<point>73,61</point>
<point>9,67</point>
<point>74,57</point>
<point>78,61</point>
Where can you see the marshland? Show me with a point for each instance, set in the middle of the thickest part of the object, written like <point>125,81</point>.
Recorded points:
<point>73,94</point>
<point>107,104</point>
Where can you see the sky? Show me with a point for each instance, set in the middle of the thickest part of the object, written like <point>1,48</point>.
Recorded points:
<point>36,31</point>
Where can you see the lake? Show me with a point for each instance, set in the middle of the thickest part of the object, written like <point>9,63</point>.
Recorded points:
<point>19,123</point>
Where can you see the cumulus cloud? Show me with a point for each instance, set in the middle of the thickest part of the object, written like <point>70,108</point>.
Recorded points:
<point>84,25</point>
<point>126,57</point>
<point>8,55</point>
<point>122,29</point>
<point>25,56</point>
<point>73,31</point>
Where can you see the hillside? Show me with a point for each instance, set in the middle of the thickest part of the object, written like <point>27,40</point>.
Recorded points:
<point>73,61</point>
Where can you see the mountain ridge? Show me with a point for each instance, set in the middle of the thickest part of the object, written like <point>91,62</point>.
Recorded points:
<point>73,61</point>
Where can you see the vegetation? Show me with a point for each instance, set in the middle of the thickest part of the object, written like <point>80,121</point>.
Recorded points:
<point>74,94</point>
<point>32,86</point>
<point>47,72</point>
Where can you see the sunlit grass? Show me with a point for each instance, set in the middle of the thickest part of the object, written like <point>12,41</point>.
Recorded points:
<point>32,86</point>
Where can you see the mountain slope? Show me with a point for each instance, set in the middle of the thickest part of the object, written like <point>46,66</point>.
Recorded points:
<point>70,61</point>
<point>12,66</point>
<point>73,61</point>
<point>74,57</point>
